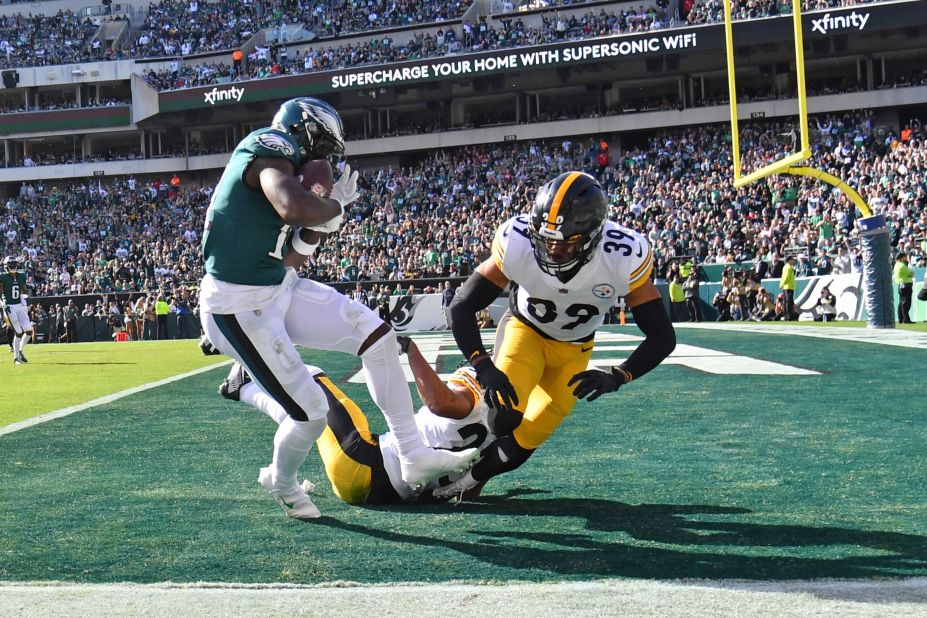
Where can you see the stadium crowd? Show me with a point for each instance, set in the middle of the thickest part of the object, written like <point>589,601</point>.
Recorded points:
<point>504,32</point>
<point>180,29</point>
<point>436,217</point>
<point>59,103</point>
<point>41,40</point>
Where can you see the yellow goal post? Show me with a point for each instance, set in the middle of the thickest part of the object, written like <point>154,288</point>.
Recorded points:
<point>874,238</point>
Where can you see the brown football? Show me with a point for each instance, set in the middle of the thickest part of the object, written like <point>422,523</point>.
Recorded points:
<point>318,177</point>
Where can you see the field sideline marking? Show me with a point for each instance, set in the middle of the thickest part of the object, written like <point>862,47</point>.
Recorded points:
<point>891,337</point>
<point>644,598</point>
<point>50,416</point>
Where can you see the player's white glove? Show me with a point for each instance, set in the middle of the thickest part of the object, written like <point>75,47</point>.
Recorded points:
<point>344,192</point>
<point>331,226</point>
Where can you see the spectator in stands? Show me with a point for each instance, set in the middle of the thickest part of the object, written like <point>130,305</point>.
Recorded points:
<point>431,217</point>
<point>842,262</point>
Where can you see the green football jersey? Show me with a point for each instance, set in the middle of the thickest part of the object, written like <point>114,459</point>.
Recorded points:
<point>13,288</point>
<point>245,239</point>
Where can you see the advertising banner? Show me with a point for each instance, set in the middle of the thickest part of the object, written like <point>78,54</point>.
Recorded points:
<point>817,25</point>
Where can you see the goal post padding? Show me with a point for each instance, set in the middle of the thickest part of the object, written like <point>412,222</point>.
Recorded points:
<point>877,272</point>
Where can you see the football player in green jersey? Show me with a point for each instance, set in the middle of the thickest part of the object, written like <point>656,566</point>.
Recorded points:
<point>260,224</point>
<point>13,288</point>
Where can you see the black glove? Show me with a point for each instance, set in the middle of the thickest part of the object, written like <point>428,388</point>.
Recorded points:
<point>503,422</point>
<point>594,383</point>
<point>403,343</point>
<point>499,392</point>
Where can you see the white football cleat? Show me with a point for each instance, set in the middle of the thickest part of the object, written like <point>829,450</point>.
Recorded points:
<point>297,504</point>
<point>431,463</point>
<point>457,489</point>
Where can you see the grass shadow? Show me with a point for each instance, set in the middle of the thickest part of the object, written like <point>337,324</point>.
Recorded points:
<point>667,541</point>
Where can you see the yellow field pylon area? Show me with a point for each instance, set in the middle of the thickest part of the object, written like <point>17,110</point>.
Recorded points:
<point>787,164</point>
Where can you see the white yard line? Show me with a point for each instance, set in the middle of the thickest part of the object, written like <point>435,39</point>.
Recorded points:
<point>642,598</point>
<point>50,416</point>
<point>892,337</point>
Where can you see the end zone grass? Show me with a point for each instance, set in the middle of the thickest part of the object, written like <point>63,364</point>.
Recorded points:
<point>62,375</point>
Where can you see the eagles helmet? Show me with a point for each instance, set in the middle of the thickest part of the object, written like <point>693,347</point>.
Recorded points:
<point>315,125</point>
<point>11,264</point>
<point>566,222</point>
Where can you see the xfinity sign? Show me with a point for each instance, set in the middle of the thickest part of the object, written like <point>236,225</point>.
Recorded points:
<point>229,94</point>
<point>828,22</point>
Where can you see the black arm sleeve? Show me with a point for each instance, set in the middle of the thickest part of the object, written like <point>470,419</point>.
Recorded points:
<point>476,293</point>
<point>659,342</point>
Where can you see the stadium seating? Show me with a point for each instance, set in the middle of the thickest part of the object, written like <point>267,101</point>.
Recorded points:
<point>436,218</point>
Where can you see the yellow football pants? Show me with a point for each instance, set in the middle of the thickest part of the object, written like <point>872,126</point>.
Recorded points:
<point>539,369</point>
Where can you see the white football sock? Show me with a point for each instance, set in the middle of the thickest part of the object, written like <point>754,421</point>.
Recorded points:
<point>252,394</point>
<point>24,341</point>
<point>388,387</point>
<point>291,447</point>
<point>16,340</point>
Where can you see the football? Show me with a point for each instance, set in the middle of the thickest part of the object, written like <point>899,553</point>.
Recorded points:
<point>318,177</point>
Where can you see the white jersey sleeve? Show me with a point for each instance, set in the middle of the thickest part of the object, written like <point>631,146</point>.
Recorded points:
<point>454,434</point>
<point>457,434</point>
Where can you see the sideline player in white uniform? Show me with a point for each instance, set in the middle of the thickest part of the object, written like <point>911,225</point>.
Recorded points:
<point>257,310</point>
<point>363,467</point>
<point>568,265</point>
<point>13,290</point>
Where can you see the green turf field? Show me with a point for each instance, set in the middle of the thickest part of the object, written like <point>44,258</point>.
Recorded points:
<point>684,474</point>
<point>58,376</point>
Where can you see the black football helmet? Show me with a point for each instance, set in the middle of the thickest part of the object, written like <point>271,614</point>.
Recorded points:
<point>566,223</point>
<point>315,125</point>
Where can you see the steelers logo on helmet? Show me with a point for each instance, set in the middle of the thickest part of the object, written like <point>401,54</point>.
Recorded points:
<point>315,125</point>
<point>566,223</point>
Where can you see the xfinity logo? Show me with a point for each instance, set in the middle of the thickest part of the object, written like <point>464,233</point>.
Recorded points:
<point>853,20</point>
<point>229,94</point>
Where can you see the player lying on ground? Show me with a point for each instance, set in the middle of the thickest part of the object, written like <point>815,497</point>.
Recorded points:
<point>569,264</point>
<point>363,467</point>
